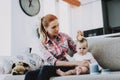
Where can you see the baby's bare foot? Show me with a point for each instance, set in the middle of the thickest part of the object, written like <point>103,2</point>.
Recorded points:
<point>78,70</point>
<point>81,70</point>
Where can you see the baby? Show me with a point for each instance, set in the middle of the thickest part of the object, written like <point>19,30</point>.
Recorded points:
<point>81,55</point>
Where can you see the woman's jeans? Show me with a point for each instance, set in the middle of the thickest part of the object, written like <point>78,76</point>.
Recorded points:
<point>45,72</point>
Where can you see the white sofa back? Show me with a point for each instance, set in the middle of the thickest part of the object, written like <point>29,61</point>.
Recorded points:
<point>106,51</point>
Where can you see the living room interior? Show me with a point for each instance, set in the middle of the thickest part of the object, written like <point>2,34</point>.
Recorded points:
<point>93,17</point>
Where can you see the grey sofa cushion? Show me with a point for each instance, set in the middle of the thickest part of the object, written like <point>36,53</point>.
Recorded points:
<point>110,76</point>
<point>106,51</point>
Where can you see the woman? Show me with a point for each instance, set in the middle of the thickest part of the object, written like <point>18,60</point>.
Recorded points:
<point>54,48</point>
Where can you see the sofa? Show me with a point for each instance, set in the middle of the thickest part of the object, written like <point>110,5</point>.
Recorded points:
<point>106,51</point>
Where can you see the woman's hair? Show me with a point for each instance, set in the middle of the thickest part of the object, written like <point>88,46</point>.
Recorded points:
<point>44,24</point>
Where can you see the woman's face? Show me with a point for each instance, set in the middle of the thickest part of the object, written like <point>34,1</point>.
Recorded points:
<point>53,28</point>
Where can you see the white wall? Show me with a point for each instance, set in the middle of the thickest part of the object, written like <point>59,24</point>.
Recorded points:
<point>23,29</point>
<point>87,16</point>
<point>5,28</point>
<point>64,17</point>
<point>49,7</point>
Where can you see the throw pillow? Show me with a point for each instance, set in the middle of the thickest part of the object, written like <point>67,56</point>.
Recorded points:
<point>33,60</point>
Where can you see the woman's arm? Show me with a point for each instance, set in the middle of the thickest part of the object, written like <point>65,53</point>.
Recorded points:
<point>71,44</point>
<point>41,51</point>
<point>72,63</point>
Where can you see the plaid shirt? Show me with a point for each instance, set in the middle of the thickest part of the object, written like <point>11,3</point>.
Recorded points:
<point>57,49</point>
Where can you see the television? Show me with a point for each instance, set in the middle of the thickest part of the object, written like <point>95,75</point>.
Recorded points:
<point>111,15</point>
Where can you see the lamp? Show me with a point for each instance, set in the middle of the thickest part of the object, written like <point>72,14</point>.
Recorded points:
<point>73,2</point>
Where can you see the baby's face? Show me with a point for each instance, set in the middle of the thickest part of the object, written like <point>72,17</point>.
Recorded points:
<point>82,48</point>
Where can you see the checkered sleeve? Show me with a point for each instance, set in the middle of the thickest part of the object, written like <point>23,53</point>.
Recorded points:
<point>48,58</point>
<point>71,44</point>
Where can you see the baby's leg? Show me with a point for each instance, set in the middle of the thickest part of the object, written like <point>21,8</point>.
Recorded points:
<point>81,70</point>
<point>85,70</point>
<point>69,72</point>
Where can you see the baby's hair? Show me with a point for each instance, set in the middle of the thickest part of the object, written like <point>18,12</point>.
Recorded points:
<point>82,40</point>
